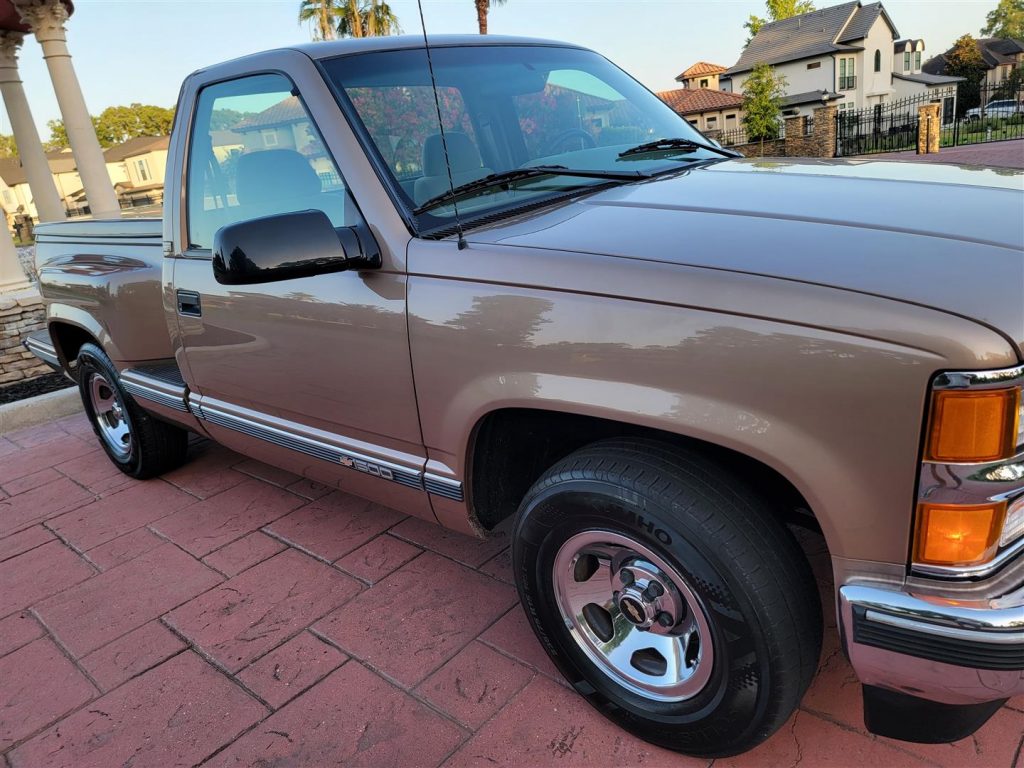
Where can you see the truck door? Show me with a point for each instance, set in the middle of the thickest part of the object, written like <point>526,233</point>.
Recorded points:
<point>312,374</point>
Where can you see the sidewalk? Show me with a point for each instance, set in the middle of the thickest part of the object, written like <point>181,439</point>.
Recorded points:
<point>232,614</point>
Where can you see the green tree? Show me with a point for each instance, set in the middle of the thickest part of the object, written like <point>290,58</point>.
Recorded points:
<point>762,104</point>
<point>7,146</point>
<point>777,11</point>
<point>324,14</point>
<point>964,60</point>
<point>115,125</point>
<point>58,136</point>
<point>1007,20</point>
<point>483,7</point>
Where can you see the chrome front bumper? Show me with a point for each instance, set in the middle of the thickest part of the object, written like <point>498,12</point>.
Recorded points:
<point>941,649</point>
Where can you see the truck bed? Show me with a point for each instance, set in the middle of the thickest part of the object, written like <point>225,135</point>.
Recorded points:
<point>104,277</point>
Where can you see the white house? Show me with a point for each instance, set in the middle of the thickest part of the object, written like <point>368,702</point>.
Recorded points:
<point>850,54</point>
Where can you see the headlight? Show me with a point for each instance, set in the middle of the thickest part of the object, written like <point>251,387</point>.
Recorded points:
<point>971,507</point>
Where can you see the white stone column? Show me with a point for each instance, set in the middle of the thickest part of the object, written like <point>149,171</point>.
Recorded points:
<point>30,148</point>
<point>46,18</point>
<point>12,277</point>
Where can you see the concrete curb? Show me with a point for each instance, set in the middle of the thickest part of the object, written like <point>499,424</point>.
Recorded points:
<point>39,409</point>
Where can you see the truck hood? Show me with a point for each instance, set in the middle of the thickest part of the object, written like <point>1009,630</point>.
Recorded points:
<point>943,236</point>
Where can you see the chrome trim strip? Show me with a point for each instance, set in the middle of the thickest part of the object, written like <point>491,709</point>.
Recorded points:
<point>157,390</point>
<point>161,398</point>
<point>45,352</point>
<point>1002,638</point>
<point>1004,377</point>
<point>442,486</point>
<point>288,437</point>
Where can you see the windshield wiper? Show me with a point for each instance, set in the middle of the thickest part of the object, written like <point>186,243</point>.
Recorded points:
<point>518,174</point>
<point>666,145</point>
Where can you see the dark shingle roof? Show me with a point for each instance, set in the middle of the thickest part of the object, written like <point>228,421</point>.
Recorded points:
<point>929,79</point>
<point>862,22</point>
<point>810,34</point>
<point>11,171</point>
<point>994,51</point>
<point>799,37</point>
<point>137,146</point>
<point>808,97</point>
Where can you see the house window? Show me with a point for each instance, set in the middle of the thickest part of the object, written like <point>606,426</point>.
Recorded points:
<point>878,61</point>
<point>917,60</point>
<point>906,61</point>
<point>142,168</point>
<point>693,123</point>
<point>730,117</point>
<point>814,65</point>
<point>711,122</point>
<point>269,137</point>
<point>704,83</point>
<point>847,74</point>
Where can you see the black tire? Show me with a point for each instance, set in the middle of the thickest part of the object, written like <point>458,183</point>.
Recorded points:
<point>746,569</point>
<point>154,447</point>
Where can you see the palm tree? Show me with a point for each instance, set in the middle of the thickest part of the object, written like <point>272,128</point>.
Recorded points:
<point>367,18</point>
<point>323,13</point>
<point>349,18</point>
<point>482,7</point>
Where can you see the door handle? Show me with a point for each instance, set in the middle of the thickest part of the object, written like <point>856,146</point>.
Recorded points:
<point>188,304</point>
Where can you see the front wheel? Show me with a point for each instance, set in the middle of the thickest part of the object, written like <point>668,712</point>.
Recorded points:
<point>668,595</point>
<point>137,444</point>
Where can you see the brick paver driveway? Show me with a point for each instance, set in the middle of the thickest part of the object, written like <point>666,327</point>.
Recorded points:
<point>998,154</point>
<point>232,614</point>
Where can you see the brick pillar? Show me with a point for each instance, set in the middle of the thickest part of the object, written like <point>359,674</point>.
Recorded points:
<point>823,140</point>
<point>928,129</point>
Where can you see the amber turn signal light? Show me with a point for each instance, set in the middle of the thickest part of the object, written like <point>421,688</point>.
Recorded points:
<point>957,534</point>
<point>973,426</point>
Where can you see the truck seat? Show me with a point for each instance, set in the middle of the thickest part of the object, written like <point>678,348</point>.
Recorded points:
<point>465,163</point>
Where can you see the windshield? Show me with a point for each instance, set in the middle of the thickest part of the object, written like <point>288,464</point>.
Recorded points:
<point>505,108</point>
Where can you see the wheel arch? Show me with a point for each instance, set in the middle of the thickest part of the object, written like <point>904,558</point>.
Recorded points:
<point>510,447</point>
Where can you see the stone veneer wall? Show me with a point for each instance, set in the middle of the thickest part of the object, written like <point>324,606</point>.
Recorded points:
<point>20,313</point>
<point>821,142</point>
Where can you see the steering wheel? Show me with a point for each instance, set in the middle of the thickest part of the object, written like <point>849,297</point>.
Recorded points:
<point>586,141</point>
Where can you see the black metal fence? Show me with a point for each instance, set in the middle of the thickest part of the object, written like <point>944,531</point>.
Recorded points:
<point>987,112</point>
<point>736,136</point>
<point>968,114</point>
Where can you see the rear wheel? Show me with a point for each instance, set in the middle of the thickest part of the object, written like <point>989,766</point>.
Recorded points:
<point>668,595</point>
<point>138,444</point>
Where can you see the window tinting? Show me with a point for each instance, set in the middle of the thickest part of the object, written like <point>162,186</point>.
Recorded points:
<point>255,152</point>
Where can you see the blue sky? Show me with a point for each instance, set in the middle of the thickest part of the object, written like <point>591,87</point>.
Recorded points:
<point>139,50</point>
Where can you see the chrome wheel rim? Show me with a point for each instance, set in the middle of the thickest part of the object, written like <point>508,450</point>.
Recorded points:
<point>633,615</point>
<point>110,417</point>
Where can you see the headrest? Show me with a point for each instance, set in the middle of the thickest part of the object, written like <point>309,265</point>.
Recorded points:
<point>273,175</point>
<point>462,154</point>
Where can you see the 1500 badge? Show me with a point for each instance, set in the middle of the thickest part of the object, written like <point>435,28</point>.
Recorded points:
<point>367,467</point>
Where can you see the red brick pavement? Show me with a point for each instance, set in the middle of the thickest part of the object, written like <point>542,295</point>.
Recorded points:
<point>232,614</point>
<point>997,154</point>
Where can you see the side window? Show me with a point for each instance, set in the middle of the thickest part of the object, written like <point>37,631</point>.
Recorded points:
<point>256,152</point>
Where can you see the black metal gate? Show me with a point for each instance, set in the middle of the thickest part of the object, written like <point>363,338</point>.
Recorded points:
<point>968,114</point>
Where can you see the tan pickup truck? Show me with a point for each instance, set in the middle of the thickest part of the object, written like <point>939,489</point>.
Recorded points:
<point>516,286</point>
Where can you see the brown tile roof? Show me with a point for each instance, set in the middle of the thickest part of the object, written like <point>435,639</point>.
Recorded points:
<point>689,101</point>
<point>700,68</point>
